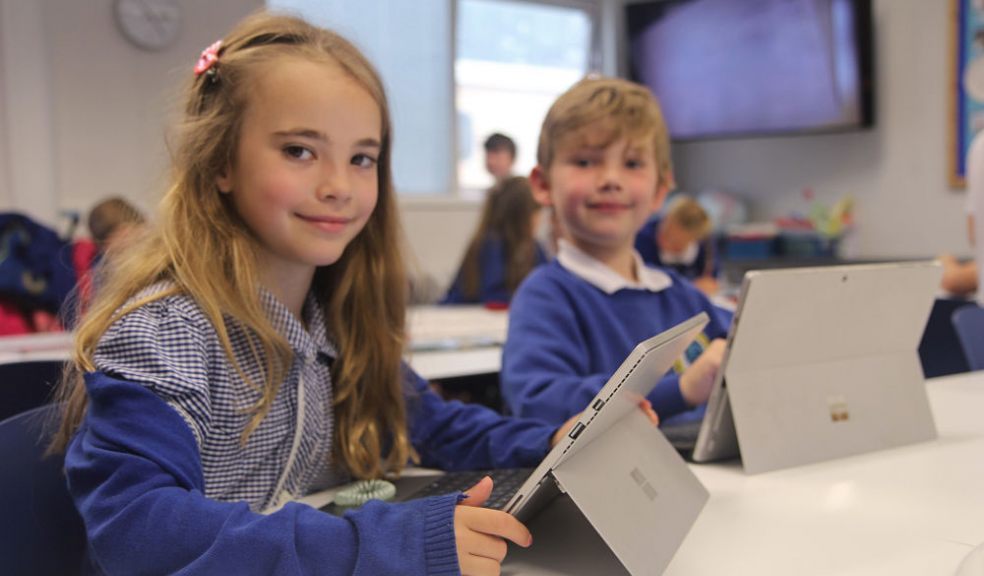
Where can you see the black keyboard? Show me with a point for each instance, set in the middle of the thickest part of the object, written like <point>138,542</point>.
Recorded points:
<point>682,435</point>
<point>505,483</point>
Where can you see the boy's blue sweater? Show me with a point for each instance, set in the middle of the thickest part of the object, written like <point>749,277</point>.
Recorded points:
<point>135,474</point>
<point>567,337</point>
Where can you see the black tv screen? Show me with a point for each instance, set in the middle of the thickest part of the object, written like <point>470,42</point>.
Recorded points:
<point>728,68</point>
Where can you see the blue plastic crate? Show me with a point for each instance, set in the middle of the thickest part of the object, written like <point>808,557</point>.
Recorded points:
<point>808,246</point>
<point>749,249</point>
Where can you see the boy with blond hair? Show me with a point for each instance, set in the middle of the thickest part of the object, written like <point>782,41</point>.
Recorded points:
<point>680,239</point>
<point>603,165</point>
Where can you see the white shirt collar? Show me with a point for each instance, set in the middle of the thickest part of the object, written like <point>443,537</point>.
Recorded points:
<point>688,256</point>
<point>599,275</point>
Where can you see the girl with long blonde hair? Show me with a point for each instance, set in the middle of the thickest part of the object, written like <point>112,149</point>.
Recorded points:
<point>248,349</point>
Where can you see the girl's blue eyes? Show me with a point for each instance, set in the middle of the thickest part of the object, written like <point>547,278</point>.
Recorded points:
<point>363,161</point>
<point>298,152</point>
<point>302,153</point>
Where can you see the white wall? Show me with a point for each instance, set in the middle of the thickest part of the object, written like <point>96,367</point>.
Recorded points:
<point>896,172</point>
<point>5,199</point>
<point>438,232</point>
<point>26,113</point>
<point>85,110</point>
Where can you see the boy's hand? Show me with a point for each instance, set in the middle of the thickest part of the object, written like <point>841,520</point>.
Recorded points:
<point>697,380</point>
<point>647,407</point>
<point>480,533</point>
<point>707,284</point>
<point>948,261</point>
<point>563,430</point>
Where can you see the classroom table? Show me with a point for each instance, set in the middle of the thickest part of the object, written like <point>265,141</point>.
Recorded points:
<point>914,510</point>
<point>917,510</point>
<point>455,341</point>
<point>444,342</point>
<point>35,347</point>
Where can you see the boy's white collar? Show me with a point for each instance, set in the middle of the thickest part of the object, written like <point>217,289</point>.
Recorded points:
<point>599,275</point>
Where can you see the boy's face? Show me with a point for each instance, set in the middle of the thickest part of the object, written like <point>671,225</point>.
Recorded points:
<point>673,237</point>
<point>602,195</point>
<point>499,163</point>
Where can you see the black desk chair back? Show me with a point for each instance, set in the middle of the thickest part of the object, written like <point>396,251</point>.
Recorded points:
<point>969,324</point>
<point>27,385</point>
<point>939,349</point>
<point>41,533</point>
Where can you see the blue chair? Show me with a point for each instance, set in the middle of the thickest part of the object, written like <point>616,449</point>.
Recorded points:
<point>41,533</point>
<point>969,324</point>
<point>939,348</point>
<point>27,385</point>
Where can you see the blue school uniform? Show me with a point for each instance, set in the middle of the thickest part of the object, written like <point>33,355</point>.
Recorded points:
<point>164,484</point>
<point>703,262</point>
<point>493,261</point>
<point>573,322</point>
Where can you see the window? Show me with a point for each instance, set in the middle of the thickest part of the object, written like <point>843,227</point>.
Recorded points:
<point>512,60</point>
<point>410,45</point>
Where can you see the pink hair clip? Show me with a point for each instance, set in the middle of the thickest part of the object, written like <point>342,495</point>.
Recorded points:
<point>208,58</point>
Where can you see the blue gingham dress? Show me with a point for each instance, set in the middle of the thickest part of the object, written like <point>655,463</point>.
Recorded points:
<point>170,347</point>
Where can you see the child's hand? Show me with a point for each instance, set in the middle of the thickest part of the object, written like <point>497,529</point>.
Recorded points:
<point>706,284</point>
<point>644,405</point>
<point>647,408</point>
<point>698,378</point>
<point>948,261</point>
<point>480,533</point>
<point>563,430</point>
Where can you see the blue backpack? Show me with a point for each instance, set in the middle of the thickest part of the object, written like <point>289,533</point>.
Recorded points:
<point>36,269</point>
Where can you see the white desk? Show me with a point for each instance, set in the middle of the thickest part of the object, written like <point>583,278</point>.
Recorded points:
<point>450,341</point>
<point>911,511</point>
<point>36,347</point>
<point>445,342</point>
<point>916,510</point>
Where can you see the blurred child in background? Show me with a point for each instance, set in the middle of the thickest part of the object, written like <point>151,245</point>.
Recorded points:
<point>111,220</point>
<point>681,240</point>
<point>503,250</point>
<point>500,155</point>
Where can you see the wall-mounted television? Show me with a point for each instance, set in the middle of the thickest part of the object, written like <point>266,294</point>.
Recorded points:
<point>734,68</point>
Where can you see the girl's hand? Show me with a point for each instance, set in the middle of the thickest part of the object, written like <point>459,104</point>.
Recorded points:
<point>698,379</point>
<point>481,533</point>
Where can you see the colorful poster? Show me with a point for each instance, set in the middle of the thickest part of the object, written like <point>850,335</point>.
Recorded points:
<point>967,83</point>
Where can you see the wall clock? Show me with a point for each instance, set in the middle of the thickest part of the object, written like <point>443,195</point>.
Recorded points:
<point>148,24</point>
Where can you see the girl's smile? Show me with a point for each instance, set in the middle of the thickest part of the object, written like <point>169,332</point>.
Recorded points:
<point>330,224</point>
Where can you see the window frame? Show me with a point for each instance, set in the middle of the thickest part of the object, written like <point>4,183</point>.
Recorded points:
<point>595,60</point>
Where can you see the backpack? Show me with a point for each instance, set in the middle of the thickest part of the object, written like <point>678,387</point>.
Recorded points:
<point>36,267</point>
